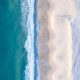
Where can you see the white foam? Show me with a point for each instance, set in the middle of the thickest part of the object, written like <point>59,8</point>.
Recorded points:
<point>27,7</point>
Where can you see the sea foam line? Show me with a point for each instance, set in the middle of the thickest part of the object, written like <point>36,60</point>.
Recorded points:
<point>27,9</point>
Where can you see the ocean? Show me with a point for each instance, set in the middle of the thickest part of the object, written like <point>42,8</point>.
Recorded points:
<point>18,35</point>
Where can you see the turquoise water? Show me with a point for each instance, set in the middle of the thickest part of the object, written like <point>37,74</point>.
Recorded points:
<point>18,34</point>
<point>12,52</point>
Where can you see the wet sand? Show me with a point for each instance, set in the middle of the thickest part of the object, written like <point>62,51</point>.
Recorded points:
<point>43,38</point>
<point>54,39</point>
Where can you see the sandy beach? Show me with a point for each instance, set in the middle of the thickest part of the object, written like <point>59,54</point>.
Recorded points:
<point>55,39</point>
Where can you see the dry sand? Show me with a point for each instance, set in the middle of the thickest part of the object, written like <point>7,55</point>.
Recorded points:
<point>54,39</point>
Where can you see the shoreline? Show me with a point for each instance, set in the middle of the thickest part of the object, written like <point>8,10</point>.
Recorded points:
<point>35,40</point>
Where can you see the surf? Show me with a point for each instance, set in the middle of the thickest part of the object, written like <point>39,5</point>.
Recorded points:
<point>27,11</point>
<point>29,23</point>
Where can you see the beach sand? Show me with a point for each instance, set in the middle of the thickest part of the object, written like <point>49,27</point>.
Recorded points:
<point>55,39</point>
